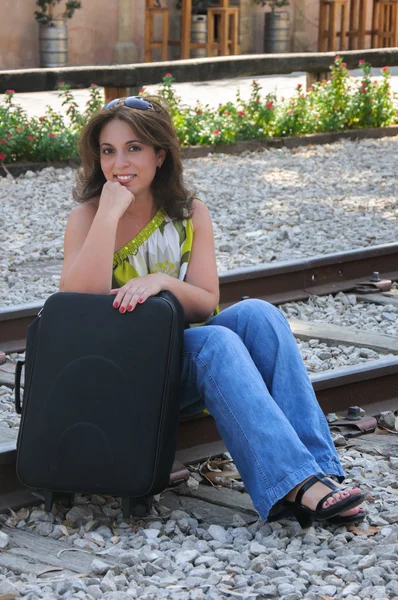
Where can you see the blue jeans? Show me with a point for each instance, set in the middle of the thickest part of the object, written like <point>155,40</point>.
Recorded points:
<point>244,366</point>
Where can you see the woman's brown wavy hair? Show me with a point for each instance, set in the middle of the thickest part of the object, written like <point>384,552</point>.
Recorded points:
<point>152,127</point>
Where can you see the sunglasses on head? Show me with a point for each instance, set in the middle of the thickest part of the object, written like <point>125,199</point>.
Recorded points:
<point>131,102</point>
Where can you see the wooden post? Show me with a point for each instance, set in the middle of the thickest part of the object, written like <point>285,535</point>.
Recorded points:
<point>362,24</point>
<point>165,34</point>
<point>332,26</point>
<point>323,12</point>
<point>235,34</point>
<point>343,26</point>
<point>186,28</point>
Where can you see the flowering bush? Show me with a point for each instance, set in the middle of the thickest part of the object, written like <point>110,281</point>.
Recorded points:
<point>47,138</point>
<point>338,103</point>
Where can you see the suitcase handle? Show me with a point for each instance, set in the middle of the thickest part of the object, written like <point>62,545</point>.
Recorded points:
<point>17,391</point>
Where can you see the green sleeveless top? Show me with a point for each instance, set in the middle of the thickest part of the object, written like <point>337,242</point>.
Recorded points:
<point>163,246</point>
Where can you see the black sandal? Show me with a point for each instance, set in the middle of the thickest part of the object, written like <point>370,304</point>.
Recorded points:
<point>345,520</point>
<point>305,515</point>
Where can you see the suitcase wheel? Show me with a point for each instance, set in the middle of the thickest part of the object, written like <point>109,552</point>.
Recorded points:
<point>136,507</point>
<point>65,499</point>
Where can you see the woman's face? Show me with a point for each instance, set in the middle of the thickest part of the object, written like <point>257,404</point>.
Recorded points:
<point>126,160</point>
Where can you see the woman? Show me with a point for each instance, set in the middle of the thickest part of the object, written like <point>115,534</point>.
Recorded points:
<point>138,231</point>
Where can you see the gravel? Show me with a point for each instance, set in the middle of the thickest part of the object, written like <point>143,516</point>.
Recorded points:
<point>274,205</point>
<point>345,310</point>
<point>295,203</point>
<point>172,554</point>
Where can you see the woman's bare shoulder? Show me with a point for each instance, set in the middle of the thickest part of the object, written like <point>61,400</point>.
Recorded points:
<point>85,211</point>
<point>199,210</point>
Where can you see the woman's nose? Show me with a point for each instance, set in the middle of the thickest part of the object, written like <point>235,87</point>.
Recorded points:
<point>121,159</point>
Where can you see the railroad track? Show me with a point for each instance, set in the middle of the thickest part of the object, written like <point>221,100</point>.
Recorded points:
<point>336,390</point>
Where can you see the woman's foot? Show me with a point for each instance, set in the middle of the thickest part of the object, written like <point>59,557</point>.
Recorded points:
<point>318,490</point>
<point>320,498</point>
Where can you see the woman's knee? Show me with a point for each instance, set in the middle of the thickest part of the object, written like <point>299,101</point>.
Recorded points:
<point>215,337</point>
<point>260,311</point>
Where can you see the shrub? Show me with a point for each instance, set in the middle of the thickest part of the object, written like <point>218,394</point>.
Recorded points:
<point>338,103</point>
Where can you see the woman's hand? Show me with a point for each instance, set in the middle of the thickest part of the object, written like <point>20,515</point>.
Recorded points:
<point>137,290</point>
<point>115,199</point>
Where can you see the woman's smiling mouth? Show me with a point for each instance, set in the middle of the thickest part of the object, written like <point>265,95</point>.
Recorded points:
<point>125,178</point>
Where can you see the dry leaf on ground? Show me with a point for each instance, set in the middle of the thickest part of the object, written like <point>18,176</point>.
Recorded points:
<point>367,532</point>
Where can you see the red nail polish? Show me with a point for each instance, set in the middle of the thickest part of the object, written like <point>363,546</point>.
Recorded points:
<point>140,299</point>
<point>122,310</point>
<point>116,305</point>
<point>129,307</point>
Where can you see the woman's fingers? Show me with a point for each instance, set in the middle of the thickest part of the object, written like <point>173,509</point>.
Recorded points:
<point>126,299</point>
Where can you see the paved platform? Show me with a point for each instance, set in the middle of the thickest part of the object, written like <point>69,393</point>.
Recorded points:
<point>207,92</point>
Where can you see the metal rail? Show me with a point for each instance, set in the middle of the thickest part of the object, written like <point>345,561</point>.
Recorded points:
<point>336,390</point>
<point>277,283</point>
<point>198,437</point>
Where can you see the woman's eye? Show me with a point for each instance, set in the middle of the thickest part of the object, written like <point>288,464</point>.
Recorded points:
<point>107,151</point>
<point>134,148</point>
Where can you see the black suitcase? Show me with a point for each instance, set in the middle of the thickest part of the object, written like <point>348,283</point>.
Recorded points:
<point>101,399</point>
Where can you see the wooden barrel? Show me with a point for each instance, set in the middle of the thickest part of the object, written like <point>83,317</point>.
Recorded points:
<point>53,44</point>
<point>277,32</point>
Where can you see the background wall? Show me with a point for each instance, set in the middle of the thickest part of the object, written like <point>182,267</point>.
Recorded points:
<point>112,31</point>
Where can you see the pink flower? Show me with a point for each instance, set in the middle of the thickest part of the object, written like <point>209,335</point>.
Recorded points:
<point>9,136</point>
<point>299,86</point>
<point>93,85</point>
<point>385,69</point>
<point>216,132</point>
<point>241,113</point>
<point>10,91</point>
<point>168,75</point>
<point>291,112</point>
<point>52,135</point>
<point>361,62</point>
<point>344,65</point>
<point>19,129</point>
<point>31,138</point>
<point>2,157</point>
<point>3,141</point>
<point>270,105</point>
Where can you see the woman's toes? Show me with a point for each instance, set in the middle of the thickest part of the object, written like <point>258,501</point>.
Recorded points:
<point>358,510</point>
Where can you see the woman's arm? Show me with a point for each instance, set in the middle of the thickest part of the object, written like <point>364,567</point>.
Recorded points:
<point>199,293</point>
<point>89,242</point>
